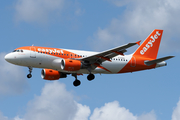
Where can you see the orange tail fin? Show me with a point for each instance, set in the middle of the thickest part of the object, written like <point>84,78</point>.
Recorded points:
<point>149,48</point>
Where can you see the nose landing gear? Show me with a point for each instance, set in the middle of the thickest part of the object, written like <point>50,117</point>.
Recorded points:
<point>30,71</point>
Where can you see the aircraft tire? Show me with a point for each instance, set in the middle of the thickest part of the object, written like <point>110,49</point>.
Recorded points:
<point>90,77</point>
<point>29,76</point>
<point>76,83</point>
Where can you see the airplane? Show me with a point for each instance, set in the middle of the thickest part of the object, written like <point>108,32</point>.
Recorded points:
<point>57,63</point>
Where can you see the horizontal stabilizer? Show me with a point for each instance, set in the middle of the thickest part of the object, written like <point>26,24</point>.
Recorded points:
<point>148,63</point>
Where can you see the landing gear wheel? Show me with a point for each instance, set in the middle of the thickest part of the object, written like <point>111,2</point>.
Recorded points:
<point>29,76</point>
<point>30,71</point>
<point>90,77</point>
<point>76,83</point>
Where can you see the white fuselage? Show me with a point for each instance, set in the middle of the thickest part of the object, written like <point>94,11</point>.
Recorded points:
<point>41,60</point>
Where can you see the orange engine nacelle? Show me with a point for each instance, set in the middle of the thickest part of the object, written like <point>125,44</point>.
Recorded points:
<point>49,74</point>
<point>71,65</point>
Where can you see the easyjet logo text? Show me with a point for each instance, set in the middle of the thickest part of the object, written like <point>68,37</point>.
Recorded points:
<point>50,50</point>
<point>150,43</point>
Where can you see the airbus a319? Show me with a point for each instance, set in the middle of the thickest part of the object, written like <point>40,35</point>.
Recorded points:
<point>57,63</point>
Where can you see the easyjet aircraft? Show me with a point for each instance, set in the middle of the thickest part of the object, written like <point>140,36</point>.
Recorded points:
<point>58,63</point>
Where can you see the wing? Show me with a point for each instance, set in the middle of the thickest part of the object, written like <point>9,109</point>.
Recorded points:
<point>108,54</point>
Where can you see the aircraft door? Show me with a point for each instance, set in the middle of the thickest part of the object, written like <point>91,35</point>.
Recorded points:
<point>33,52</point>
<point>133,62</point>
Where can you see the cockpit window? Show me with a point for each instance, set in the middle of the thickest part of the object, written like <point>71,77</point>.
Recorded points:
<point>18,51</point>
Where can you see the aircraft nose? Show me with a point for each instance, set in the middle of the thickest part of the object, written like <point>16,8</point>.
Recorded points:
<point>8,58</point>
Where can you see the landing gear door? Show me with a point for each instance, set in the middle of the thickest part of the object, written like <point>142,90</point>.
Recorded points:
<point>33,52</point>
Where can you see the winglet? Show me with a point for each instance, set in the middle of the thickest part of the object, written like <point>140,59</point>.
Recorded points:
<point>138,42</point>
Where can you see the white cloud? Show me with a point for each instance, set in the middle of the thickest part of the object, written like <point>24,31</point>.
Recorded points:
<point>148,116</point>
<point>17,118</point>
<point>82,112</point>
<point>12,78</point>
<point>176,112</point>
<point>56,103</point>
<point>3,117</point>
<point>37,10</point>
<point>138,20</point>
<point>113,111</point>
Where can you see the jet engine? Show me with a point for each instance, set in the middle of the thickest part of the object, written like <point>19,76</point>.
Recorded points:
<point>49,74</point>
<point>71,65</point>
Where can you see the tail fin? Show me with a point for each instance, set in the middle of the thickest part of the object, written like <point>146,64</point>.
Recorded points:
<point>149,48</point>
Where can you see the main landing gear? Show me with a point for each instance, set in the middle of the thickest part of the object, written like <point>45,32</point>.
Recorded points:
<point>78,82</point>
<point>30,71</point>
<point>90,77</point>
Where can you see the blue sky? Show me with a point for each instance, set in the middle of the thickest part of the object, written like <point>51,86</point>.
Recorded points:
<point>94,26</point>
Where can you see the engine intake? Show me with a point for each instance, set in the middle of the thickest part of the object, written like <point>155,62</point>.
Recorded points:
<point>71,65</point>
